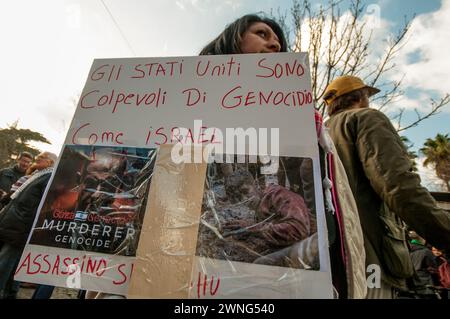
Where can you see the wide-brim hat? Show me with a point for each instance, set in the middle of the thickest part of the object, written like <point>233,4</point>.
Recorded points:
<point>343,85</point>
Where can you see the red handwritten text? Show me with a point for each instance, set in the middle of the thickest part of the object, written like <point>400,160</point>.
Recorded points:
<point>105,137</point>
<point>236,97</point>
<point>171,68</point>
<point>173,135</point>
<point>202,284</point>
<point>206,68</point>
<point>58,265</point>
<point>93,99</point>
<point>278,70</point>
<point>106,72</point>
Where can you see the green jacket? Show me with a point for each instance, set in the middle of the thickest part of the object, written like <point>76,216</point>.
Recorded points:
<point>380,176</point>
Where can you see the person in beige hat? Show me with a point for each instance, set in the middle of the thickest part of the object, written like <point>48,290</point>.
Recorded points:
<point>347,91</point>
<point>386,190</point>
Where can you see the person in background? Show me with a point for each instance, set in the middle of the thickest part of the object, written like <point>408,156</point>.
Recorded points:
<point>16,220</point>
<point>42,161</point>
<point>386,189</point>
<point>424,265</point>
<point>8,176</point>
<point>441,275</point>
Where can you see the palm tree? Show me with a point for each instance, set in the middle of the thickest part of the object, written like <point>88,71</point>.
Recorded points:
<point>437,153</point>
<point>411,154</point>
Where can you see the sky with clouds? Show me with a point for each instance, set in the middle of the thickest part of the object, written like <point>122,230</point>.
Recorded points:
<point>48,47</point>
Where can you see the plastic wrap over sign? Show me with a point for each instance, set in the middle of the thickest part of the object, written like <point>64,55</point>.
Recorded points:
<point>124,214</point>
<point>232,232</point>
<point>88,228</point>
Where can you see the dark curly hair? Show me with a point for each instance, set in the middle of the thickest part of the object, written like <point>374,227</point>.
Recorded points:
<point>229,41</point>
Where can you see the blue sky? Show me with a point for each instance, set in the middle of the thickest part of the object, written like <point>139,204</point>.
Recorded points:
<point>396,9</point>
<point>48,47</point>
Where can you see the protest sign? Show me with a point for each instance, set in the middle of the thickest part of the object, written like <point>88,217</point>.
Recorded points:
<point>124,188</point>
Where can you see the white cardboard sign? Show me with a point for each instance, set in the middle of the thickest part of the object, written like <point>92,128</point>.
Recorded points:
<point>128,108</point>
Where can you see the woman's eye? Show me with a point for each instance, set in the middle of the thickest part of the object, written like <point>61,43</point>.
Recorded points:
<point>262,34</point>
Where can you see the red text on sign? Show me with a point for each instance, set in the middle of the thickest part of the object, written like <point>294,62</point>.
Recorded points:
<point>104,137</point>
<point>293,68</point>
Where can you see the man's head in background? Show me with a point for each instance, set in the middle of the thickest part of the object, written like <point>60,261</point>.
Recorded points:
<point>24,161</point>
<point>42,161</point>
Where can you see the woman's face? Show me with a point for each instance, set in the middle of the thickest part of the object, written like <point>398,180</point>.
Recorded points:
<point>260,38</point>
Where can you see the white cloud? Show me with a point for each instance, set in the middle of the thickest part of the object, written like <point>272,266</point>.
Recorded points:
<point>180,5</point>
<point>429,178</point>
<point>422,63</point>
<point>429,46</point>
<point>404,102</point>
<point>374,28</point>
<point>234,4</point>
<point>206,5</point>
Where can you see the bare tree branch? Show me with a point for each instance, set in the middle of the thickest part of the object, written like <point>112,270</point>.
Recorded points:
<point>340,44</point>
<point>435,107</point>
